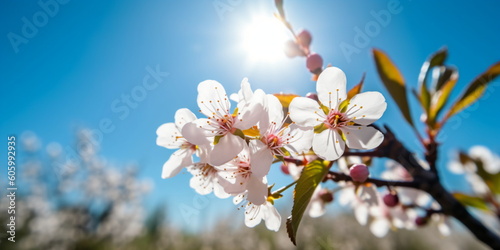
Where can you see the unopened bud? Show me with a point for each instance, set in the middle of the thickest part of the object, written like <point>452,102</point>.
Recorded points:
<point>421,221</point>
<point>312,95</point>
<point>391,199</point>
<point>304,38</point>
<point>325,195</point>
<point>292,49</point>
<point>284,169</point>
<point>359,172</point>
<point>314,62</point>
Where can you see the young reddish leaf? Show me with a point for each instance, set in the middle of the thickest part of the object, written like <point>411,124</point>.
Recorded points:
<point>475,90</point>
<point>311,176</point>
<point>356,89</point>
<point>393,81</point>
<point>471,201</point>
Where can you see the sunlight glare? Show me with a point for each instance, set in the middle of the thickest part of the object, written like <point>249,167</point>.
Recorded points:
<point>263,40</point>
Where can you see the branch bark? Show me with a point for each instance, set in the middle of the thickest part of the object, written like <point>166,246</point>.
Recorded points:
<point>428,181</point>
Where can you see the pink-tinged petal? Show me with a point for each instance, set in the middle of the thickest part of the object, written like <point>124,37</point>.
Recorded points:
<point>306,112</point>
<point>252,112</point>
<point>365,108</point>
<point>331,87</point>
<point>272,217</point>
<point>178,160</point>
<point>257,190</point>
<point>212,99</point>
<point>261,158</point>
<point>169,136</point>
<point>196,132</point>
<point>302,139</point>
<point>183,116</point>
<point>362,137</point>
<point>328,145</point>
<point>228,147</point>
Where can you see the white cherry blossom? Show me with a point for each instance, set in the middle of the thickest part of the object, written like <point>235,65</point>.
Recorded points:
<point>254,214</point>
<point>344,123</point>
<point>246,173</point>
<point>220,123</point>
<point>169,136</point>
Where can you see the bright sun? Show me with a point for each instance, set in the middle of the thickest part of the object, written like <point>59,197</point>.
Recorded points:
<point>263,40</point>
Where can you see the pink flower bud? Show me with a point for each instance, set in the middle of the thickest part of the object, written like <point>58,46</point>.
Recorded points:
<point>312,95</point>
<point>292,49</point>
<point>421,221</point>
<point>325,195</point>
<point>314,62</point>
<point>359,172</point>
<point>284,169</point>
<point>304,38</point>
<point>391,199</point>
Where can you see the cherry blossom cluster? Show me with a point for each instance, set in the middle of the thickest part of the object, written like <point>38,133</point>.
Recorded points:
<point>234,149</point>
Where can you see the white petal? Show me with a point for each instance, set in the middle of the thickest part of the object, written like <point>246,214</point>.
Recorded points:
<point>219,190</point>
<point>228,147</point>
<point>306,112</point>
<point>253,215</point>
<point>331,87</point>
<point>302,141</point>
<point>361,213</point>
<point>261,158</point>
<point>212,98</point>
<point>362,137</point>
<point>245,94</point>
<point>365,108</point>
<point>183,116</point>
<point>169,136</point>
<point>252,112</point>
<point>257,190</point>
<point>328,145</point>
<point>178,160</point>
<point>272,217</point>
<point>196,132</point>
<point>379,227</point>
<point>274,109</point>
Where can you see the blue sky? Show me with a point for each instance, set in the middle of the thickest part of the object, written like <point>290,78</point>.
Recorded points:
<point>84,58</point>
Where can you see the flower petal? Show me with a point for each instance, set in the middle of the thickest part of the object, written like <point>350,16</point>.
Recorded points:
<point>302,138</point>
<point>261,158</point>
<point>212,99</point>
<point>379,227</point>
<point>228,147</point>
<point>272,217</point>
<point>169,136</point>
<point>183,116</point>
<point>362,137</point>
<point>328,145</point>
<point>178,160</point>
<point>365,108</point>
<point>252,112</point>
<point>257,190</point>
<point>196,132</point>
<point>306,112</point>
<point>331,87</point>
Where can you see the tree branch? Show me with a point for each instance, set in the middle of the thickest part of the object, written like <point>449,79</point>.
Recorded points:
<point>336,177</point>
<point>428,181</point>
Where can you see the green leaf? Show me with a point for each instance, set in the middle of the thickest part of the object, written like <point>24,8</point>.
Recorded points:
<point>436,59</point>
<point>491,180</point>
<point>310,178</point>
<point>471,201</point>
<point>393,81</point>
<point>475,90</point>
<point>441,96</point>
<point>356,89</point>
